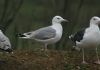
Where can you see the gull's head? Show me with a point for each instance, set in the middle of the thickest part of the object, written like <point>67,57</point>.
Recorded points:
<point>8,50</point>
<point>95,20</point>
<point>58,19</point>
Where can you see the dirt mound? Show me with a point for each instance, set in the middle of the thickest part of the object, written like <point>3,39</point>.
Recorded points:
<point>40,60</point>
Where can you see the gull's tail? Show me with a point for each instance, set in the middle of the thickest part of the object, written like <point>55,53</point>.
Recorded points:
<point>24,35</point>
<point>72,37</point>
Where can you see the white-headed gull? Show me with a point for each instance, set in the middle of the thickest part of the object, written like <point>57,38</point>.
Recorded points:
<point>5,43</point>
<point>47,35</point>
<point>89,37</point>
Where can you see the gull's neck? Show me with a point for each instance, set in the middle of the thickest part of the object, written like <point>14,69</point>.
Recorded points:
<point>94,26</point>
<point>57,26</point>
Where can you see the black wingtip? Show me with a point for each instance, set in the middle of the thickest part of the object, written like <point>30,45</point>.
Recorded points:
<point>20,35</point>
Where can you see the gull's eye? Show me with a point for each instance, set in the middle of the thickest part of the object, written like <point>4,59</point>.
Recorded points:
<point>58,18</point>
<point>94,18</point>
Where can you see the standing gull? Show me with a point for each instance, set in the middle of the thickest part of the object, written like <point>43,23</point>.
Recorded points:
<point>5,43</point>
<point>47,35</point>
<point>89,37</point>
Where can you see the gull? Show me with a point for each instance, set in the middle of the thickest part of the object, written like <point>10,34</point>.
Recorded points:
<point>5,44</point>
<point>47,35</point>
<point>88,38</point>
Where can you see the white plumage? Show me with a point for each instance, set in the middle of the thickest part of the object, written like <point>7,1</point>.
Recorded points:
<point>88,38</point>
<point>47,35</point>
<point>5,43</point>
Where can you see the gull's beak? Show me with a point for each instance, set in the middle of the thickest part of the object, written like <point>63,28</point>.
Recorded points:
<point>65,20</point>
<point>98,23</point>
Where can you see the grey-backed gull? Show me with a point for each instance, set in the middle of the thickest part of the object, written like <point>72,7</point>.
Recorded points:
<point>5,44</point>
<point>47,35</point>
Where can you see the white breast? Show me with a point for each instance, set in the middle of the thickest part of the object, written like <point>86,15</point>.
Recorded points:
<point>59,30</point>
<point>91,37</point>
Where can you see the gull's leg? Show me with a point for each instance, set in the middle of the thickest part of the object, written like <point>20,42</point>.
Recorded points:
<point>45,47</point>
<point>83,61</point>
<point>46,50</point>
<point>98,61</point>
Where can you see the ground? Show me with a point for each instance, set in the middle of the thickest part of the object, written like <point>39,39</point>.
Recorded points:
<point>50,60</point>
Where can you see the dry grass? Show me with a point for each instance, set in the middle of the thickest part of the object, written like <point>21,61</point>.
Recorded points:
<point>51,60</point>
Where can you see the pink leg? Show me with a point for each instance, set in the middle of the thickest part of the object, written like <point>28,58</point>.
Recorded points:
<point>83,61</point>
<point>98,61</point>
<point>45,48</point>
